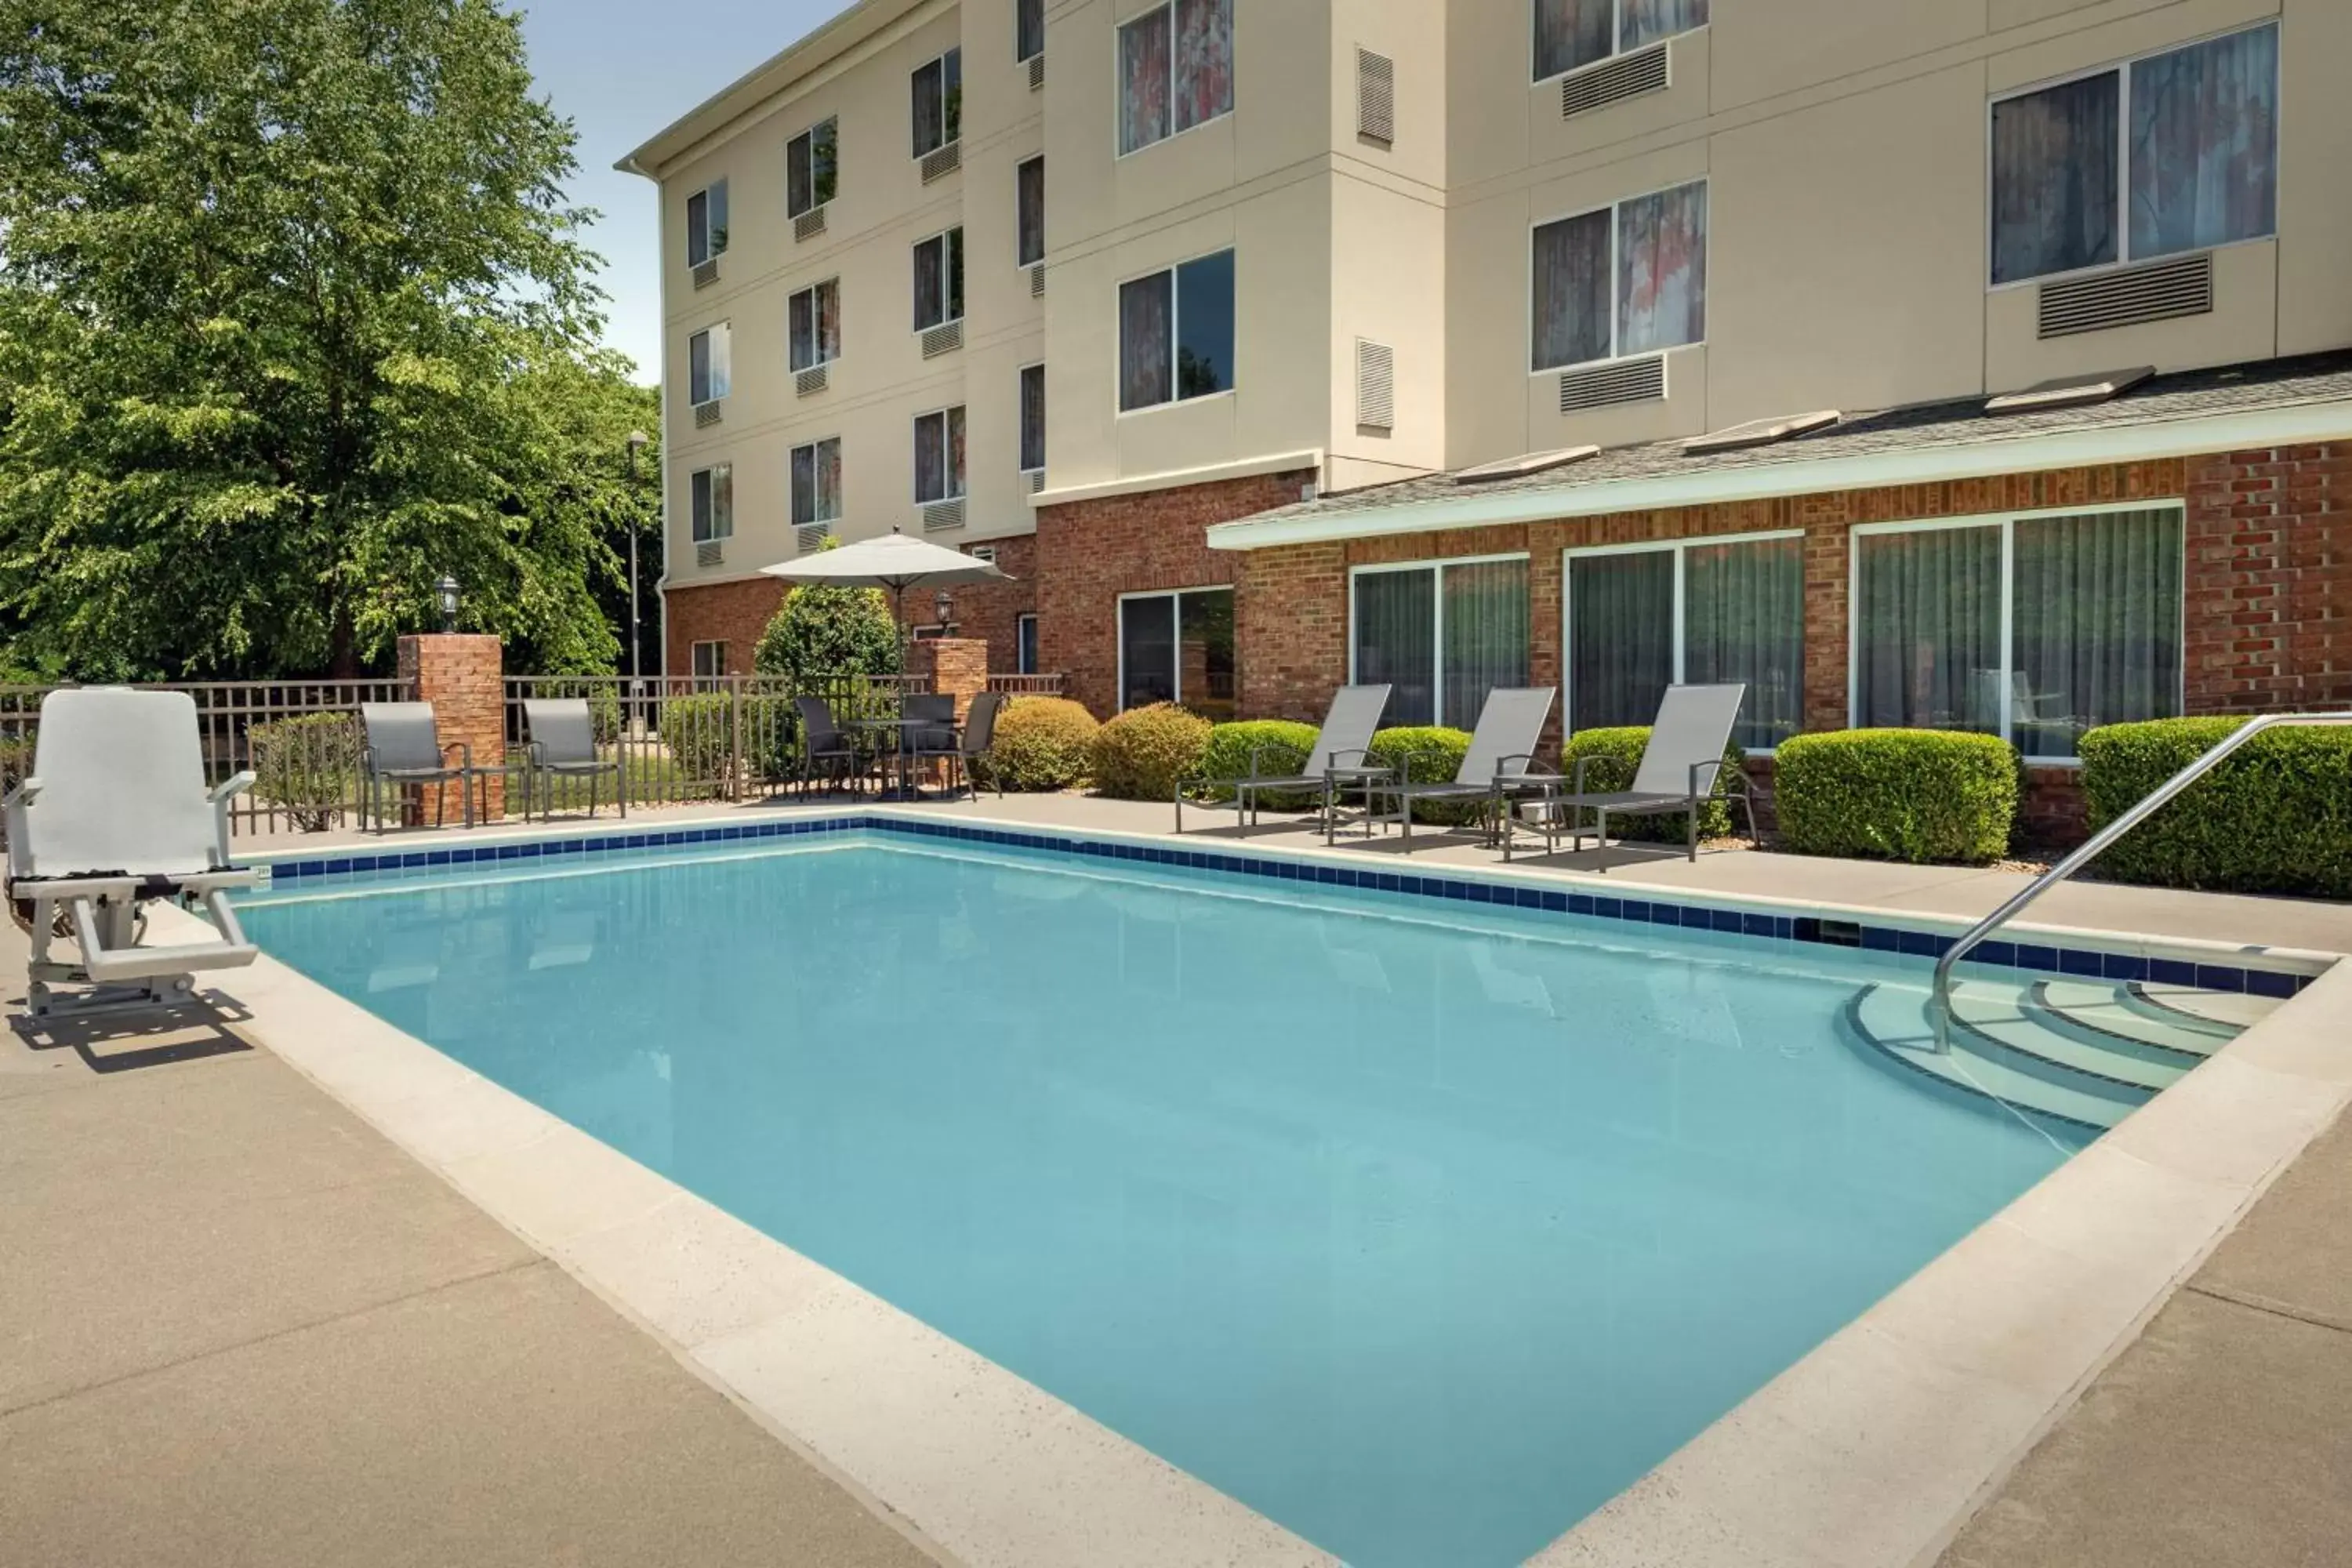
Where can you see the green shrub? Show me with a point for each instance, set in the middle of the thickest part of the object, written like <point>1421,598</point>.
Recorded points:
<point>2274,818</point>
<point>1928,796</point>
<point>1040,743</point>
<point>308,766</point>
<point>1616,754</point>
<point>698,734</point>
<point>1280,748</point>
<point>1141,753</point>
<point>829,628</point>
<point>1429,753</point>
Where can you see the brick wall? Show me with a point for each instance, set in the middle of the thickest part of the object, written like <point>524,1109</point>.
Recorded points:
<point>1091,551</point>
<point>2269,587</point>
<point>987,611</point>
<point>732,613</point>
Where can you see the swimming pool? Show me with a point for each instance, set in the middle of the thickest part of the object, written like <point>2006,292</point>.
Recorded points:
<point>1422,1228</point>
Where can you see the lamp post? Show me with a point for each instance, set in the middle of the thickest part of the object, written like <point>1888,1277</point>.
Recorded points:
<point>637,443</point>
<point>446,590</point>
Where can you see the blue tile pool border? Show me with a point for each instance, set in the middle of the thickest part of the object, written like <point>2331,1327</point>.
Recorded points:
<point>1829,931</point>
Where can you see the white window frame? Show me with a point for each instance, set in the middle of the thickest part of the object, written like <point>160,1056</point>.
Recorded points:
<point>1118,80</point>
<point>808,136</point>
<point>1437,615</point>
<point>693,658</point>
<point>792,486</point>
<point>834,284</point>
<point>2122,69</point>
<point>1118,632</point>
<point>727,330</point>
<point>1019,408</point>
<point>940,60</point>
<point>1175,332</point>
<point>1019,164</point>
<point>1527,260</point>
<point>1570,556</point>
<point>2007,523</point>
<point>915,468</point>
<point>1616,40</point>
<point>710,251</point>
<point>712,469</point>
<point>946,293</point>
<point>1024,647</point>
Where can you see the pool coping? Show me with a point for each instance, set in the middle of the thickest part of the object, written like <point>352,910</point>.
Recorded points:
<point>1874,1448</point>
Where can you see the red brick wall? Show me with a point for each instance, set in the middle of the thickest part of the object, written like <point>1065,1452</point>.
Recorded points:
<point>732,613</point>
<point>2269,587</point>
<point>986,611</point>
<point>1091,551</point>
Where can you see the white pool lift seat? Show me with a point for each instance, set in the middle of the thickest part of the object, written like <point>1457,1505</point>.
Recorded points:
<point>113,814</point>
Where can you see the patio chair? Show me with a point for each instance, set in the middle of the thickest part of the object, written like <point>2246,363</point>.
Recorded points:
<point>1340,755</point>
<point>1677,772</point>
<point>563,745</point>
<point>113,814</point>
<point>825,747</point>
<point>403,748</point>
<point>964,750</point>
<point>1500,763</point>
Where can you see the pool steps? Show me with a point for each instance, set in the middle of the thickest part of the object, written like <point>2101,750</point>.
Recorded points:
<point>2082,1051</point>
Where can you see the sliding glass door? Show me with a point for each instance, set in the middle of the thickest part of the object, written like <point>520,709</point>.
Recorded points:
<point>1444,635</point>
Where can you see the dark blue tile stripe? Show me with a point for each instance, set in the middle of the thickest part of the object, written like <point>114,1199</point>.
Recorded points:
<point>2086,963</point>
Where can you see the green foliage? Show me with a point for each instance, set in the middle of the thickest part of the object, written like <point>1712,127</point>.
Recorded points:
<point>294,318</point>
<point>2277,818</point>
<point>1040,743</point>
<point>1616,754</point>
<point>1277,746</point>
<point>698,735</point>
<point>824,628</point>
<point>308,765</point>
<point>1140,753</point>
<point>1429,753</point>
<point>1928,796</point>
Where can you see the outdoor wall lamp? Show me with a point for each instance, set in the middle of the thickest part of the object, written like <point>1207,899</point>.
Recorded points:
<point>944,603</point>
<point>447,589</point>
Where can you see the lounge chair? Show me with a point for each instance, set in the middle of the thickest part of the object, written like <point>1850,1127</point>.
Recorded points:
<point>563,745</point>
<point>1340,755</point>
<point>825,747</point>
<point>404,750</point>
<point>964,750</point>
<point>1677,772</point>
<point>113,814</point>
<point>1500,762</point>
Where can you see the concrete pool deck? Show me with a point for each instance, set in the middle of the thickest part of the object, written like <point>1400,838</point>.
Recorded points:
<point>409,1383</point>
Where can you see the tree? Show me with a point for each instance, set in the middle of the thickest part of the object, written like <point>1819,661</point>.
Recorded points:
<point>293,320</point>
<point>825,629</point>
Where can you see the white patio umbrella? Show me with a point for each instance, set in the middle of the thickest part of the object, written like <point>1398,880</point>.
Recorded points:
<point>893,562</point>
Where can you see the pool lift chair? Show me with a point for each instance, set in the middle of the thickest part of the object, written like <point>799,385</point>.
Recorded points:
<point>114,814</point>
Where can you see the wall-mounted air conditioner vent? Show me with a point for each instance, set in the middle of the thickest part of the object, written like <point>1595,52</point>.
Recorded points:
<point>1375,386</point>
<point>944,340</point>
<point>710,413</point>
<point>809,538</point>
<point>1612,81</point>
<point>2183,285</point>
<point>1375,97</point>
<point>809,225</point>
<point>983,553</point>
<point>1621,381</point>
<point>1037,281</point>
<point>1036,73</point>
<point>943,515</point>
<point>1037,480</point>
<point>938,166</point>
<point>710,552</point>
<point>814,380</point>
<point>706,273</point>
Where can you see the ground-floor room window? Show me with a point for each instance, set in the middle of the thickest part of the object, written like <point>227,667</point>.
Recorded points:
<point>1024,639</point>
<point>1177,647</point>
<point>2034,629</point>
<point>1701,611</point>
<point>1444,633</point>
<point>709,661</point>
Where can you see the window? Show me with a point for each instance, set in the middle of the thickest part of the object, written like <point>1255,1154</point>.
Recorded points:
<point>1176,333</point>
<point>1573,33</point>
<point>1175,70</point>
<point>706,223</point>
<point>1444,635</point>
<point>711,493</point>
<point>1627,280</point>
<point>1029,212</point>
<point>938,456</point>
<point>2173,153</point>
<point>815,314</point>
<point>707,366</point>
<point>939,280</point>
<point>1702,611</point>
<point>1033,418</point>
<point>811,168</point>
<point>1177,647</point>
<point>2033,628</point>
<point>1024,641</point>
<point>1028,29</point>
<point>939,103</point>
<point>709,663</point>
<point>816,482</point>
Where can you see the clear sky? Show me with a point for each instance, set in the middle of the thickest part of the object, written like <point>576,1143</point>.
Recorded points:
<point>622,69</point>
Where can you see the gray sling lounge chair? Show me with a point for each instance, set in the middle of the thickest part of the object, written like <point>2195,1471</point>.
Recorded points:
<point>1340,756</point>
<point>1677,774</point>
<point>114,813</point>
<point>403,748</point>
<point>564,746</point>
<point>1500,763</point>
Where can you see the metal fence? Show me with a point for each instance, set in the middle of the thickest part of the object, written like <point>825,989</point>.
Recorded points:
<point>1026,685</point>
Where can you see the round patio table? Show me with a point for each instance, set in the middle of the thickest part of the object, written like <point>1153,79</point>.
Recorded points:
<point>897,730</point>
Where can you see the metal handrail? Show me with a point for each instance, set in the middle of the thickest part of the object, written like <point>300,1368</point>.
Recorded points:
<point>1941,1002</point>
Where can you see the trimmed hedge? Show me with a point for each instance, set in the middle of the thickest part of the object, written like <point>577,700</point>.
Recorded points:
<point>2274,818</point>
<point>1141,753</point>
<point>1927,796</point>
<point>1040,743</point>
<point>1444,750</point>
<point>1616,754</point>
<point>1281,745</point>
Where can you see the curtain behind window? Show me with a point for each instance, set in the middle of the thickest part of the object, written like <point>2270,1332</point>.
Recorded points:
<point>2204,144</point>
<point>1145,308</point>
<point>816,482</point>
<point>1621,623</point>
<point>955,450</point>
<point>1571,292</point>
<point>1033,418</point>
<point>1395,632</point>
<point>698,368</point>
<point>1662,270</point>
<point>1144,110</point>
<point>2054,162</point>
<point>1204,61</point>
<point>1647,21</point>
<point>1029,200</point>
<point>2096,625</point>
<point>1486,635</point>
<point>1744,619</point>
<point>1927,629</point>
<point>931,457</point>
<point>1146,649</point>
<point>1572,33</point>
<point>1028,29</point>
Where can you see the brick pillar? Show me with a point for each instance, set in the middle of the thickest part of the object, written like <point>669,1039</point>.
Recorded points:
<point>463,675</point>
<point>956,666</point>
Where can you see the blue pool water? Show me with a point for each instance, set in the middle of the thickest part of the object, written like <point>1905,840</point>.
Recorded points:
<point>1421,1229</point>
